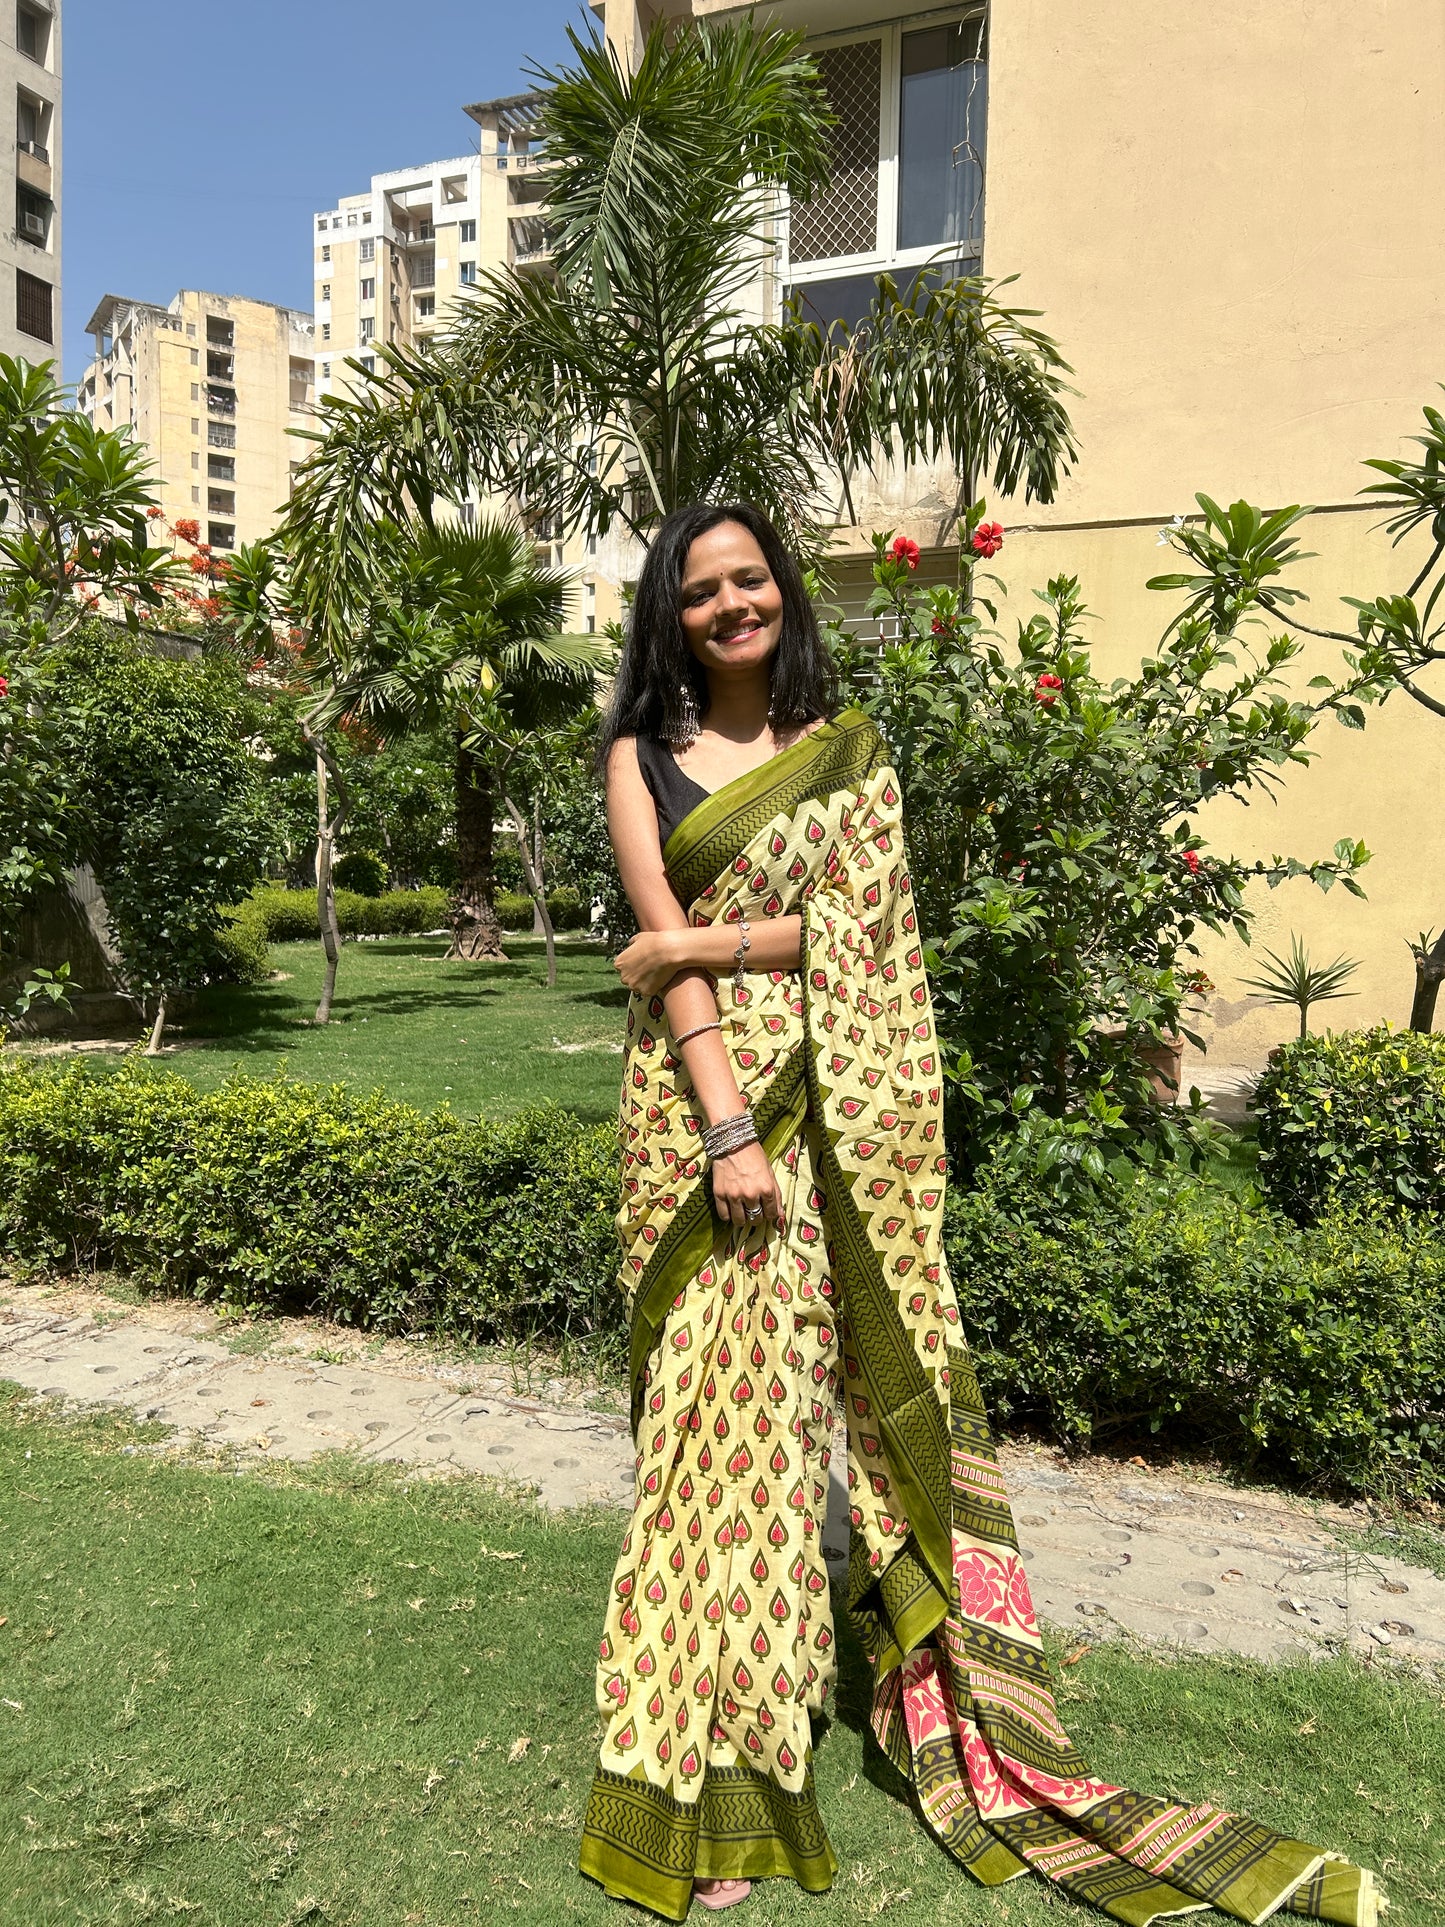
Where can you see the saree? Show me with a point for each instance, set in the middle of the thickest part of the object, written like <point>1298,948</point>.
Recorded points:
<point>718,1644</point>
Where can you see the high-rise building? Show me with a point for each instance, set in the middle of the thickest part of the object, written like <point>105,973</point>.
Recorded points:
<point>30,251</point>
<point>212,384</point>
<point>392,264</point>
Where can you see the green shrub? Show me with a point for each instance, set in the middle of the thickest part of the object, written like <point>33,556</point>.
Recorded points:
<point>277,1195</point>
<point>362,871</point>
<point>568,912</point>
<point>1176,1306</point>
<point>240,946</point>
<point>1358,1119</point>
<point>289,916</point>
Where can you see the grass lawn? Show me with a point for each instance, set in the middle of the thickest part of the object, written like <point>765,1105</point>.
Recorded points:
<point>323,1695</point>
<point>483,1038</point>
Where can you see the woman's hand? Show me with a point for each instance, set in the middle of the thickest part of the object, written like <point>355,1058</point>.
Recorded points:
<point>744,1190</point>
<point>651,961</point>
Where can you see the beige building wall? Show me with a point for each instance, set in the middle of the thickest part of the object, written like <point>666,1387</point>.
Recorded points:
<point>392,265</point>
<point>213,385</point>
<point>1229,218</point>
<point>30,155</point>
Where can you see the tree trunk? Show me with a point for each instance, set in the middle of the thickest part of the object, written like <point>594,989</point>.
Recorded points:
<point>539,920</point>
<point>1429,974</point>
<point>328,828</point>
<point>476,934</point>
<point>531,863</point>
<point>153,1048</point>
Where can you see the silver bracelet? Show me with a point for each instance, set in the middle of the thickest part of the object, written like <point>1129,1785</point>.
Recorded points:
<point>688,1035</point>
<point>730,1134</point>
<point>745,944</point>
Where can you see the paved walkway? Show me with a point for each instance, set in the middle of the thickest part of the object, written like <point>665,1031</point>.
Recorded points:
<point>1110,1548</point>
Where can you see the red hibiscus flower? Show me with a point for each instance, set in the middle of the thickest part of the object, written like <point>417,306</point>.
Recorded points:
<point>1046,690</point>
<point>1191,862</point>
<point>4,686</point>
<point>988,538</point>
<point>905,549</point>
<point>942,628</point>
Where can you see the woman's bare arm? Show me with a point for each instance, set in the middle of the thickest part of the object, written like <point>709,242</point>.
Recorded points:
<point>686,990</point>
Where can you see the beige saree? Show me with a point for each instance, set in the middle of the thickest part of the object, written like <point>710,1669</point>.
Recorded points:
<point>718,1644</point>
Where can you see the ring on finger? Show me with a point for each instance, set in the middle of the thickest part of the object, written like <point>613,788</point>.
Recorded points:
<point>755,1211</point>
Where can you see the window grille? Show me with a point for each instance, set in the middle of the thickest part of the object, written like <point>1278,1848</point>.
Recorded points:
<point>844,219</point>
<point>34,306</point>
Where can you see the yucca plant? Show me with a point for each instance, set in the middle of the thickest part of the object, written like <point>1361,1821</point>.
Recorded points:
<point>1294,980</point>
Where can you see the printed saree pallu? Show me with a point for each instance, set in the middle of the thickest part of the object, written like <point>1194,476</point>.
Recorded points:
<point>718,1644</point>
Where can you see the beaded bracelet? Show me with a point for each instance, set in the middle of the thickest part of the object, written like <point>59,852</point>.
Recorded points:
<point>688,1035</point>
<point>745,944</point>
<point>731,1134</point>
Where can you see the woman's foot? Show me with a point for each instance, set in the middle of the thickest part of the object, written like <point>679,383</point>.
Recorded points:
<point>717,1894</point>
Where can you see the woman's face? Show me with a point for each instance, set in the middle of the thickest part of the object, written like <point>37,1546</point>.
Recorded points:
<point>731,608</point>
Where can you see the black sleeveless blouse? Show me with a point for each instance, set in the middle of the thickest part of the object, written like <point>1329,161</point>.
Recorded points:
<point>673,790</point>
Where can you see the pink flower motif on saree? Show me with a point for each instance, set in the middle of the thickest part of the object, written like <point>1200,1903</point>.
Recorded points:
<point>983,1585</point>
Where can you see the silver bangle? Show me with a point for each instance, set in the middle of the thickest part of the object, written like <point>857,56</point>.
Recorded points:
<point>730,1134</point>
<point>688,1035</point>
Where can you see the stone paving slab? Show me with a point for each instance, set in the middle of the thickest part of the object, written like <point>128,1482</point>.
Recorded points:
<point>1111,1549</point>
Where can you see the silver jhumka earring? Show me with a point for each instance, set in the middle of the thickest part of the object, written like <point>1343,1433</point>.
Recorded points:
<point>689,721</point>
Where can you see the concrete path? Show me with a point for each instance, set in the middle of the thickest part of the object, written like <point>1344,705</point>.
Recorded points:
<point>1110,1548</point>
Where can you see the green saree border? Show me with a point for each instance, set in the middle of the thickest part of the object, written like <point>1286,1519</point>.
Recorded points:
<point>682,1249</point>
<point>643,1844</point>
<point>710,836</point>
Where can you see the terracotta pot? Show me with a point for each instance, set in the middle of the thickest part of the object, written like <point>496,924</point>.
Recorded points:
<point>1164,1063</point>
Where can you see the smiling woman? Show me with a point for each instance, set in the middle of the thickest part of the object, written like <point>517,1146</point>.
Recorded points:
<point>781,1223</point>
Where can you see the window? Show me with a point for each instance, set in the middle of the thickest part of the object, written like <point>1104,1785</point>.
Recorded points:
<point>195,357</point>
<point>426,306</point>
<point>351,220</point>
<point>195,458</point>
<point>32,216</point>
<point>221,535</point>
<point>326,254</point>
<point>336,220</point>
<point>195,495</point>
<point>368,289</point>
<point>368,327</point>
<point>191,329</point>
<point>467,273</point>
<point>366,218</point>
<point>220,501</point>
<point>195,424</point>
<point>31,130</point>
<point>321,227</point>
<point>424,271</point>
<point>32,32</point>
<point>195,391</point>
<point>943,106</point>
<point>466,231</point>
<point>368,362</point>
<point>221,468</point>
<point>326,331</point>
<point>368,249</point>
<point>325,290</point>
<point>34,306</point>
<point>220,434</point>
<point>326,371</point>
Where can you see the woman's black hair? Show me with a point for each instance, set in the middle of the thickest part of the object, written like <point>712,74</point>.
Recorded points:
<point>657,666</point>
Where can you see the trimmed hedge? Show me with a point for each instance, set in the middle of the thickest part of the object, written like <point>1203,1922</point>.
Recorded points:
<point>1167,1305</point>
<point>1175,1306</point>
<point>289,916</point>
<point>1358,1118</point>
<point>278,1195</point>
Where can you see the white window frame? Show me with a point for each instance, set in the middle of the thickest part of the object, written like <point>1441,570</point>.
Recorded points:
<point>886,255</point>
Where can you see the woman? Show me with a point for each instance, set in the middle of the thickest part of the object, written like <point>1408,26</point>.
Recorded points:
<point>783,1178</point>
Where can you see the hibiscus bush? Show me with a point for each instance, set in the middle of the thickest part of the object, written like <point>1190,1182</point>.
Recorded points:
<point>1061,875</point>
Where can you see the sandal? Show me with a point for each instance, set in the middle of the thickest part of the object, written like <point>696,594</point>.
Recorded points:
<point>727,1893</point>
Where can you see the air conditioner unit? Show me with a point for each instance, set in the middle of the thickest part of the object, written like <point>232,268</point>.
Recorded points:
<point>33,226</point>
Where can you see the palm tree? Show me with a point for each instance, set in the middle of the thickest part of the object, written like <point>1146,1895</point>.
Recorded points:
<point>629,380</point>
<point>461,633</point>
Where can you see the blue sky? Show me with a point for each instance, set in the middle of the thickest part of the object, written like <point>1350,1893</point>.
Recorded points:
<point>265,110</point>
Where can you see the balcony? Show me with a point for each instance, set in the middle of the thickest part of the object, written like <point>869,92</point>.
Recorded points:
<point>532,243</point>
<point>32,167</point>
<point>222,366</point>
<point>424,271</point>
<point>220,401</point>
<point>220,435</point>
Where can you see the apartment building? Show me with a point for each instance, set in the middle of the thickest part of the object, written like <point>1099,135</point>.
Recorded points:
<point>392,263</point>
<point>30,250</point>
<point>1251,293</point>
<point>213,384</point>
